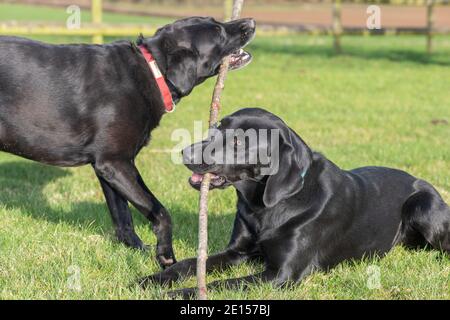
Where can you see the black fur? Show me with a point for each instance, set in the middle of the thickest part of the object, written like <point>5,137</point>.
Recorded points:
<point>71,105</point>
<point>311,214</point>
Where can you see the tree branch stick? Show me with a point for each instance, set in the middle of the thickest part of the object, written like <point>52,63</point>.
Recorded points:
<point>204,188</point>
<point>337,26</point>
<point>430,25</point>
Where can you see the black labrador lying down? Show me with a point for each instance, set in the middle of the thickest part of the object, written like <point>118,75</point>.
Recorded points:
<point>70,105</point>
<point>310,214</point>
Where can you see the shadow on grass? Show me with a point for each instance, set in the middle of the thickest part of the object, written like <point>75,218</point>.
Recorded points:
<point>23,186</point>
<point>412,55</point>
<point>23,183</point>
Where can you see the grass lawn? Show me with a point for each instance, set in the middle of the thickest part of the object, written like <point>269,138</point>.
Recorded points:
<point>376,104</point>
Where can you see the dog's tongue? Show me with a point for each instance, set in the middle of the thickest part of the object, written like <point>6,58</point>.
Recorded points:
<point>196,177</point>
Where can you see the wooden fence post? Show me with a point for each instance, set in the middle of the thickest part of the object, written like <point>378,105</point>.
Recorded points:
<point>96,10</point>
<point>430,25</point>
<point>337,26</point>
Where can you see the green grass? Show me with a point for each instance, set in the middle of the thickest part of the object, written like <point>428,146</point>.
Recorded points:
<point>372,105</point>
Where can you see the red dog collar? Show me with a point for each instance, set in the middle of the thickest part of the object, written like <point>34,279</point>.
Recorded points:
<point>162,85</point>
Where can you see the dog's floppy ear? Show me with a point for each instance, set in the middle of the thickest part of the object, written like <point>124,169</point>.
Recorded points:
<point>182,69</point>
<point>294,161</point>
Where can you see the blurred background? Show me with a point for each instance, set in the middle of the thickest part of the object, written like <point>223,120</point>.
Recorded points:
<point>283,16</point>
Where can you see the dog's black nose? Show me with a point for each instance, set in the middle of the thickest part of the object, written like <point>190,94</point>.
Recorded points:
<point>251,23</point>
<point>248,24</point>
<point>192,154</point>
<point>186,153</point>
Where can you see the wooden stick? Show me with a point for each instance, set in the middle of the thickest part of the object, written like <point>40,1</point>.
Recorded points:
<point>204,188</point>
<point>337,26</point>
<point>430,25</point>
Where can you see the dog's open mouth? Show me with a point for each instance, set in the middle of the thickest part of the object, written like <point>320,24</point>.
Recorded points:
<point>239,59</point>
<point>216,181</point>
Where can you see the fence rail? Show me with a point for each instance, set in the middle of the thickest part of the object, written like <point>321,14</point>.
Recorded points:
<point>97,30</point>
<point>89,29</point>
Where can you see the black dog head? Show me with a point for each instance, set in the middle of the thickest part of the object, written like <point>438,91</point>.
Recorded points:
<point>190,50</point>
<point>233,155</point>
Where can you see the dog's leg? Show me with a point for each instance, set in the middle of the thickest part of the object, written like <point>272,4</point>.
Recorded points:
<point>278,276</point>
<point>280,270</point>
<point>187,268</point>
<point>232,284</point>
<point>121,216</point>
<point>125,178</point>
<point>240,248</point>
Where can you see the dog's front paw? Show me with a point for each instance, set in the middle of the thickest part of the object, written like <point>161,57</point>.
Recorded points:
<point>166,261</point>
<point>185,294</point>
<point>165,257</point>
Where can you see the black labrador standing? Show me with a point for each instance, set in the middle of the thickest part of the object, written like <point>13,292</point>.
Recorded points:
<point>310,214</point>
<point>70,105</point>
